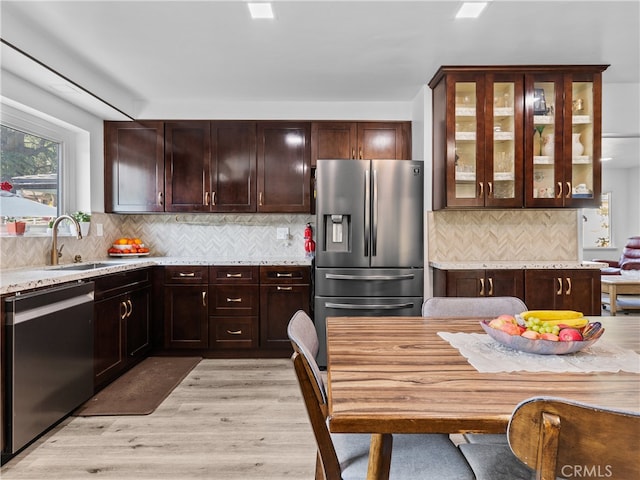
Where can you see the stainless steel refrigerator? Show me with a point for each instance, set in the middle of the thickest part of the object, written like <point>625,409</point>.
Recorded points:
<point>369,252</point>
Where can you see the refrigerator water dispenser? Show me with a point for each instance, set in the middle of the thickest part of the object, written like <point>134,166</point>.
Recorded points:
<point>336,229</point>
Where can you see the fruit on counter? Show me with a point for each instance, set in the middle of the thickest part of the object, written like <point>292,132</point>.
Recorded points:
<point>550,336</point>
<point>570,335</point>
<point>125,245</point>
<point>530,334</point>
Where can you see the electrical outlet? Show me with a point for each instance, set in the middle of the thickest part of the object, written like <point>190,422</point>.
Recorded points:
<point>282,233</point>
<point>99,230</point>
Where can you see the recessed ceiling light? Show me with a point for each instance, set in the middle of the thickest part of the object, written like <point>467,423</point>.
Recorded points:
<point>471,9</point>
<point>260,10</point>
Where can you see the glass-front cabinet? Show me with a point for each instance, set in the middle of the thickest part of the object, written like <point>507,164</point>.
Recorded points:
<point>512,137</point>
<point>484,167</point>
<point>563,127</point>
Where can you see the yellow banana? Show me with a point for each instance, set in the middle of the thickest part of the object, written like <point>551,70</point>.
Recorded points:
<point>546,315</point>
<point>573,322</point>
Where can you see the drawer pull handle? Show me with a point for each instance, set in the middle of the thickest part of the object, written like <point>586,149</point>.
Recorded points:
<point>234,332</point>
<point>568,291</point>
<point>123,314</point>
<point>160,198</point>
<point>482,287</point>
<point>559,292</point>
<point>568,195</point>
<point>284,288</point>
<point>491,287</point>
<point>234,275</point>
<point>130,309</point>
<point>204,298</point>
<point>190,274</point>
<point>280,275</point>
<point>234,300</point>
<point>559,194</point>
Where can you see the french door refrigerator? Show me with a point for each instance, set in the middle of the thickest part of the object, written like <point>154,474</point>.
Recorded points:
<point>369,254</point>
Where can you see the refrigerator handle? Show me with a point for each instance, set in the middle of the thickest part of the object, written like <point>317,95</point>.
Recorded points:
<point>374,206</point>
<point>367,212</point>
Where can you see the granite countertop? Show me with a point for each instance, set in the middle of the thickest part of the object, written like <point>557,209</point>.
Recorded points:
<point>516,265</point>
<point>28,278</point>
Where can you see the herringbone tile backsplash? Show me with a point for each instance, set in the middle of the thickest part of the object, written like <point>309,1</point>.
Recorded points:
<point>503,235</point>
<point>216,236</point>
<point>453,236</point>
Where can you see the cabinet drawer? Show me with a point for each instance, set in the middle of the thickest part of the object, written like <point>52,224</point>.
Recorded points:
<point>186,274</point>
<point>233,332</point>
<point>115,283</point>
<point>233,275</point>
<point>285,274</point>
<point>234,299</point>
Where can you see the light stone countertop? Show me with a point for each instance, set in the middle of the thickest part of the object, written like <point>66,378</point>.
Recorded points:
<point>516,265</point>
<point>28,278</point>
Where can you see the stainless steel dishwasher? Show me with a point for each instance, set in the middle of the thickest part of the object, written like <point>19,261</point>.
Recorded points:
<point>50,355</point>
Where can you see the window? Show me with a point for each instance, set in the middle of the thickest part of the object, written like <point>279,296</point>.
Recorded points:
<point>29,168</point>
<point>597,224</point>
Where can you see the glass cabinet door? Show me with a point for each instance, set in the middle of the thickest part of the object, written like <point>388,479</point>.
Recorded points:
<point>584,150</point>
<point>543,144</point>
<point>466,140</point>
<point>503,156</point>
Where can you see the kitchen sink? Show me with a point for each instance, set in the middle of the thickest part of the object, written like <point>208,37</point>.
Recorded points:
<point>86,266</point>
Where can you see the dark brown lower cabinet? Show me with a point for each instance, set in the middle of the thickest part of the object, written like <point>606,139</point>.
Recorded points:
<point>478,283</point>
<point>542,289</point>
<point>122,323</point>
<point>233,311</point>
<point>186,307</point>
<point>573,289</point>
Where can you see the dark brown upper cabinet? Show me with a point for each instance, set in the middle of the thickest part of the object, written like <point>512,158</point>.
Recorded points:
<point>360,140</point>
<point>284,173</point>
<point>134,167</point>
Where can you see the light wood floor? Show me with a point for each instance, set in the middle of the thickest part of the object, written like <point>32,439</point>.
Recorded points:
<point>229,419</point>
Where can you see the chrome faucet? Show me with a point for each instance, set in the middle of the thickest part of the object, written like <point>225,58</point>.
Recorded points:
<point>55,253</point>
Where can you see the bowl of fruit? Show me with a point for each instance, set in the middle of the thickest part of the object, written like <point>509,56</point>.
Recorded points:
<point>128,247</point>
<point>544,332</point>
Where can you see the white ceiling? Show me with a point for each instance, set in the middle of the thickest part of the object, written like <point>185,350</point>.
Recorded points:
<point>147,56</point>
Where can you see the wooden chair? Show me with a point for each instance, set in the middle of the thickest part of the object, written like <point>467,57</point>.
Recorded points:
<point>474,307</point>
<point>553,438</point>
<point>345,456</point>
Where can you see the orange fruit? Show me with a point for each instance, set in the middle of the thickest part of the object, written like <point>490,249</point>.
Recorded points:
<point>122,241</point>
<point>137,241</point>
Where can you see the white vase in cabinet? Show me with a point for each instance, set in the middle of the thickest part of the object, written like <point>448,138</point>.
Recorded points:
<point>548,145</point>
<point>577,148</point>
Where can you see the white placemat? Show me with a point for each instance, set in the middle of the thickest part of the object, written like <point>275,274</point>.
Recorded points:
<point>488,356</point>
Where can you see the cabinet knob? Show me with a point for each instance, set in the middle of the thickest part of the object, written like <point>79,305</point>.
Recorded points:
<point>160,196</point>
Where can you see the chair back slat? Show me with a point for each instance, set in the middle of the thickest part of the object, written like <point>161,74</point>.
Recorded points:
<point>472,306</point>
<point>592,442</point>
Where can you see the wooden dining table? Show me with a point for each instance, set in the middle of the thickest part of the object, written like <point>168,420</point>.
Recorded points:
<point>391,375</point>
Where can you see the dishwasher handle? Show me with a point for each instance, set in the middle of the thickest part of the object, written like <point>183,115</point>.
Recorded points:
<point>24,307</point>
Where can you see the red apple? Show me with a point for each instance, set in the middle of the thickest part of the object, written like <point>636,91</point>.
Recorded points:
<point>501,320</point>
<point>570,335</point>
